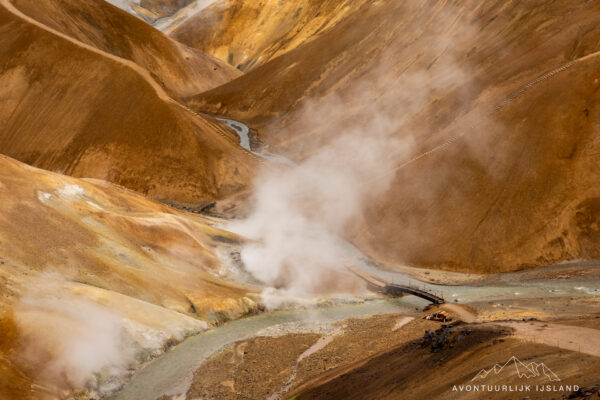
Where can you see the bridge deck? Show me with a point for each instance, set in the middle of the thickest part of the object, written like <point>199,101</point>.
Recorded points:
<point>395,290</point>
<point>391,289</point>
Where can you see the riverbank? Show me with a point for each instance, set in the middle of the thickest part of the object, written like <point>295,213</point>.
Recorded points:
<point>397,355</point>
<point>172,373</point>
<point>526,294</point>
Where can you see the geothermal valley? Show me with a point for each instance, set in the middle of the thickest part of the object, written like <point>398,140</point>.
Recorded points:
<point>299,199</point>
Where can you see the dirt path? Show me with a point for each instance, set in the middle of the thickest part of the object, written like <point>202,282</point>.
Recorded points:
<point>568,337</point>
<point>401,322</point>
<point>461,312</point>
<point>317,346</point>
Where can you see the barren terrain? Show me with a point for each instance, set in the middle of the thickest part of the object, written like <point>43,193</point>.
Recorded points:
<point>517,188</point>
<point>88,113</point>
<point>68,244</point>
<point>232,199</point>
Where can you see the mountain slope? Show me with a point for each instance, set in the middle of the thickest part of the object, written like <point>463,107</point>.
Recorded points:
<point>386,44</point>
<point>94,269</point>
<point>69,107</point>
<point>516,190</point>
<point>180,70</point>
<point>520,190</point>
<point>96,233</point>
<point>247,34</point>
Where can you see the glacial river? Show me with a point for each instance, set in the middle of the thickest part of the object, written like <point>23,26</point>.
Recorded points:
<point>172,372</point>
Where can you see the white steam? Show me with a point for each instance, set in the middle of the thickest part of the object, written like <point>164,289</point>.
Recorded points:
<point>299,214</point>
<point>71,338</point>
<point>84,338</point>
<point>353,144</point>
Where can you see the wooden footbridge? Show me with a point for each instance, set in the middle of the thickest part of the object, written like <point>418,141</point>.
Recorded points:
<point>399,290</point>
<point>394,290</point>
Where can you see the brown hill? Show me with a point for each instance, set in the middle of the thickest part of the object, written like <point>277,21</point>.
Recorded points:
<point>70,107</point>
<point>180,70</point>
<point>69,246</point>
<point>416,370</point>
<point>99,234</point>
<point>247,34</point>
<point>517,190</point>
<point>521,189</point>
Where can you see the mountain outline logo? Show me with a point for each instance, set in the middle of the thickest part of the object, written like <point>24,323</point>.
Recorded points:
<point>531,370</point>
